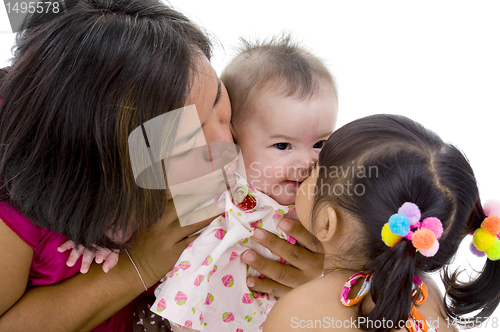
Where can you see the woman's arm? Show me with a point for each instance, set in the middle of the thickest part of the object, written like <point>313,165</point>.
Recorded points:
<point>15,262</point>
<point>83,301</point>
<point>306,261</point>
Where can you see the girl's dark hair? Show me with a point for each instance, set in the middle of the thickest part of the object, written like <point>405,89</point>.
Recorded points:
<point>80,82</point>
<point>396,160</point>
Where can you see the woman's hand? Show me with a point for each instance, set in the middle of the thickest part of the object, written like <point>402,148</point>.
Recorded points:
<point>158,249</point>
<point>306,260</point>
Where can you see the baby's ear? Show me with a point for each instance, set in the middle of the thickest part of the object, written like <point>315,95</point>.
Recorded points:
<point>326,224</point>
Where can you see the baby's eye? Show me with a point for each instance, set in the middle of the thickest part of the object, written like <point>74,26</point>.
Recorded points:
<point>319,145</point>
<point>282,146</point>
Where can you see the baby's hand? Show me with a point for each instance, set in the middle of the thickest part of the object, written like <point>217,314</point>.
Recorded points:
<point>110,257</point>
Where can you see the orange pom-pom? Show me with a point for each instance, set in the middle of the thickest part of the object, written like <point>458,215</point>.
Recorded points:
<point>423,239</point>
<point>491,224</point>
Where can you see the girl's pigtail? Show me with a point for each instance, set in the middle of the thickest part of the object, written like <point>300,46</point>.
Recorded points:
<point>482,293</point>
<point>391,286</point>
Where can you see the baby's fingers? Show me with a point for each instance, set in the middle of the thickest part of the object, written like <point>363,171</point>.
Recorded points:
<point>75,254</point>
<point>110,261</point>
<point>101,254</point>
<point>88,257</point>
<point>68,245</point>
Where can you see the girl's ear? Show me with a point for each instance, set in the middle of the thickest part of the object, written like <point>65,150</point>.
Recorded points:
<point>326,224</point>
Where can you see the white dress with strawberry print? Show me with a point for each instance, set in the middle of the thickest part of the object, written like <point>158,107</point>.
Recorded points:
<point>206,290</point>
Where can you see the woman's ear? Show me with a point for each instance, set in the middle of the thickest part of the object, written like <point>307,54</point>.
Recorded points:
<point>326,224</point>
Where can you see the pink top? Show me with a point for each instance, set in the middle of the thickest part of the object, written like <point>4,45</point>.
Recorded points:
<point>49,265</point>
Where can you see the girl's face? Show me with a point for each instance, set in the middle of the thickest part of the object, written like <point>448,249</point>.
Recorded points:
<point>282,139</point>
<point>305,197</point>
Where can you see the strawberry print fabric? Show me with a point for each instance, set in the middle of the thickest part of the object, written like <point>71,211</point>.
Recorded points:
<point>206,290</point>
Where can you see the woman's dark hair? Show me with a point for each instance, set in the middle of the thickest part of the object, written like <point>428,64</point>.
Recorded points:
<point>397,160</point>
<point>79,83</point>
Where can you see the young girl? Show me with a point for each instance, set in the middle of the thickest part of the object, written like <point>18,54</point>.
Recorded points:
<point>390,201</point>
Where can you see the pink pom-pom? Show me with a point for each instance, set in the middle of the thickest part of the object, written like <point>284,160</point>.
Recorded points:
<point>412,211</point>
<point>492,208</point>
<point>434,224</point>
<point>431,251</point>
<point>476,251</point>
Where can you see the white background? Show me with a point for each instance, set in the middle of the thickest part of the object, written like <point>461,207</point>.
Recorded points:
<point>437,62</point>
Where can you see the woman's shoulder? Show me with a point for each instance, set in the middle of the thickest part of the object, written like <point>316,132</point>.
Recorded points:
<point>48,265</point>
<point>20,224</point>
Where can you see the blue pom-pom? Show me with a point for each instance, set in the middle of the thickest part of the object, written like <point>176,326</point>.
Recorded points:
<point>399,224</point>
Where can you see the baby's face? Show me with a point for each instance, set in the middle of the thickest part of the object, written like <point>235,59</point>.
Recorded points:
<point>281,140</point>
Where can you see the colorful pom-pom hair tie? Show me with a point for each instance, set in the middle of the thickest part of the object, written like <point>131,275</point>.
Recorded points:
<point>406,224</point>
<point>486,239</point>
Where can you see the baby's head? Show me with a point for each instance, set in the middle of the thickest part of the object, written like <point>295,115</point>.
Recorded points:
<point>366,171</point>
<point>284,104</point>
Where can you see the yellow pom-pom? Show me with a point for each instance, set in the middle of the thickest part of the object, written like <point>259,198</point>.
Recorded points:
<point>494,252</point>
<point>483,240</point>
<point>423,239</point>
<point>388,237</point>
<point>491,224</point>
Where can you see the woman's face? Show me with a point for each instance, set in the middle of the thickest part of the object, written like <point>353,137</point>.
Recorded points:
<point>210,97</point>
<point>210,143</point>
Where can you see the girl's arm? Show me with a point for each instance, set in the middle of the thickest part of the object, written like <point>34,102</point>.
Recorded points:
<point>83,301</point>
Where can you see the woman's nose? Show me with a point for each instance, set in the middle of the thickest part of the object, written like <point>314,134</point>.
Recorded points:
<point>218,133</point>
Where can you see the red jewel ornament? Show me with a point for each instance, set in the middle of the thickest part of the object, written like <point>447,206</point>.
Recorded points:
<point>245,197</point>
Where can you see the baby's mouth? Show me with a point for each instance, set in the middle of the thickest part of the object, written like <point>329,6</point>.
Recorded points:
<point>294,183</point>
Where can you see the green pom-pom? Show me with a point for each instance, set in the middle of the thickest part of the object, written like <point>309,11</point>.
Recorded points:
<point>494,252</point>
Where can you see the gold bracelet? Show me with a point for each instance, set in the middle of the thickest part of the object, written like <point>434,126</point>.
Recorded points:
<point>139,273</point>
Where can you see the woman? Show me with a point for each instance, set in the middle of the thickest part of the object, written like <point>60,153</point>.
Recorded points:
<point>80,83</point>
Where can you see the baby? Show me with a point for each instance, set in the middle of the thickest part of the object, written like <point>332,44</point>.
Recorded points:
<point>284,104</point>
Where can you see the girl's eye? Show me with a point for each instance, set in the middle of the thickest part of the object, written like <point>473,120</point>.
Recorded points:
<point>319,145</point>
<point>282,146</point>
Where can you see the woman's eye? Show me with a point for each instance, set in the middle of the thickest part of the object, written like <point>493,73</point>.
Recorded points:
<point>282,146</point>
<point>319,145</point>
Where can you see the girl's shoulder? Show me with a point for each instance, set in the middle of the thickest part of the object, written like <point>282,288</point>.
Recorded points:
<point>313,306</point>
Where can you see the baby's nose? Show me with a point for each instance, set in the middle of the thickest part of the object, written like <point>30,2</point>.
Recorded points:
<point>303,165</point>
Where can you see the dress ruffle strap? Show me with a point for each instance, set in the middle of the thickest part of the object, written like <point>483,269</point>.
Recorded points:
<point>415,323</point>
